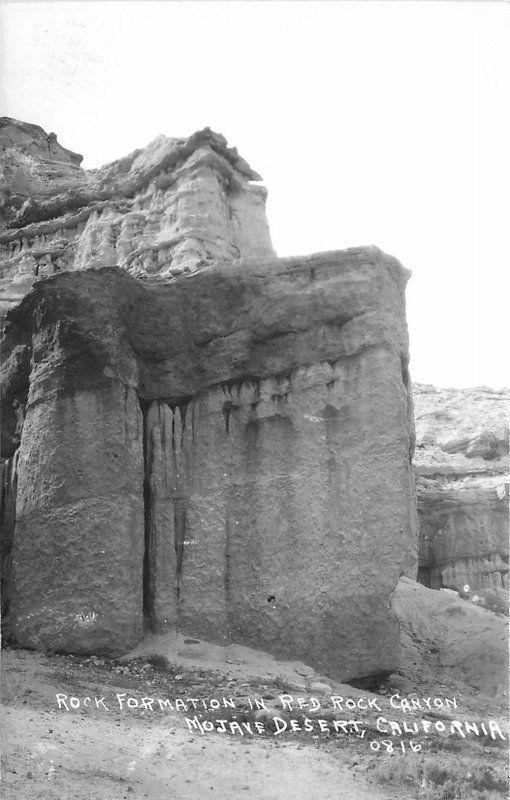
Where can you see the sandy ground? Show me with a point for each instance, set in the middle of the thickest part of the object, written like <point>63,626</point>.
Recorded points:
<point>50,753</point>
<point>66,757</point>
<point>94,754</point>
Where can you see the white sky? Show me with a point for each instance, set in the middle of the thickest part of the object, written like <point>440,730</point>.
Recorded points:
<point>380,123</point>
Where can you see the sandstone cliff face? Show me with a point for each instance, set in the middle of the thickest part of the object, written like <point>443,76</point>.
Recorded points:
<point>173,207</point>
<point>227,453</point>
<point>34,167</point>
<point>461,465</point>
<point>199,436</point>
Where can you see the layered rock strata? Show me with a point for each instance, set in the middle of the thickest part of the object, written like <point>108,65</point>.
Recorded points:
<point>461,464</point>
<point>172,207</point>
<point>227,454</point>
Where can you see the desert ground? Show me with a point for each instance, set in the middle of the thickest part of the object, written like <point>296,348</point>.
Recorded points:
<point>118,748</point>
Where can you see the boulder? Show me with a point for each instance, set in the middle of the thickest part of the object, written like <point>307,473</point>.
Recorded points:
<point>449,640</point>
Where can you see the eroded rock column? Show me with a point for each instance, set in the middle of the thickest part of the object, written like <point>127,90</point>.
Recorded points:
<point>77,554</point>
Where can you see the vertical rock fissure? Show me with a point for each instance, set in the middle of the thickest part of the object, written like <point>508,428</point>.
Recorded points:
<point>149,532</point>
<point>180,534</point>
<point>179,504</point>
<point>406,380</point>
<point>7,524</point>
<point>228,407</point>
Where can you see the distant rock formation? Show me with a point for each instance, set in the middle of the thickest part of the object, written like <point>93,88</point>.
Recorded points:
<point>461,465</point>
<point>201,436</point>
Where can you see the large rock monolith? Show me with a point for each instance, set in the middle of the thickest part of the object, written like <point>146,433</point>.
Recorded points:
<point>225,451</point>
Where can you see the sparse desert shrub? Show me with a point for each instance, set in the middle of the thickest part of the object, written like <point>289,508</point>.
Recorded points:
<point>486,778</point>
<point>455,790</point>
<point>493,601</point>
<point>383,773</point>
<point>434,780</point>
<point>401,771</point>
<point>158,662</point>
<point>434,773</point>
<point>462,782</point>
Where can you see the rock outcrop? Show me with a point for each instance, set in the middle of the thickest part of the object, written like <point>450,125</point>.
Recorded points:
<point>172,207</point>
<point>461,465</point>
<point>202,437</point>
<point>450,641</point>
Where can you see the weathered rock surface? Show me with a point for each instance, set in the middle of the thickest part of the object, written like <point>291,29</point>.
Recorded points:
<point>34,167</point>
<point>444,638</point>
<point>174,206</point>
<point>461,466</point>
<point>226,454</point>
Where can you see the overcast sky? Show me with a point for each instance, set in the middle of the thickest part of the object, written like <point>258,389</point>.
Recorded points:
<point>381,123</point>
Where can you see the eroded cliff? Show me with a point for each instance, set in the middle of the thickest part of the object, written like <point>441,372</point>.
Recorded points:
<point>461,465</point>
<point>171,207</point>
<point>200,436</point>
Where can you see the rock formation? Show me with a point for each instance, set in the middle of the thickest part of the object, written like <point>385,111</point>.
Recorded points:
<point>212,439</point>
<point>450,642</point>
<point>175,206</point>
<point>461,465</point>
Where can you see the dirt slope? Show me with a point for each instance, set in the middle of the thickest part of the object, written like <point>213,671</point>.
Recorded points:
<point>52,754</point>
<point>108,753</point>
